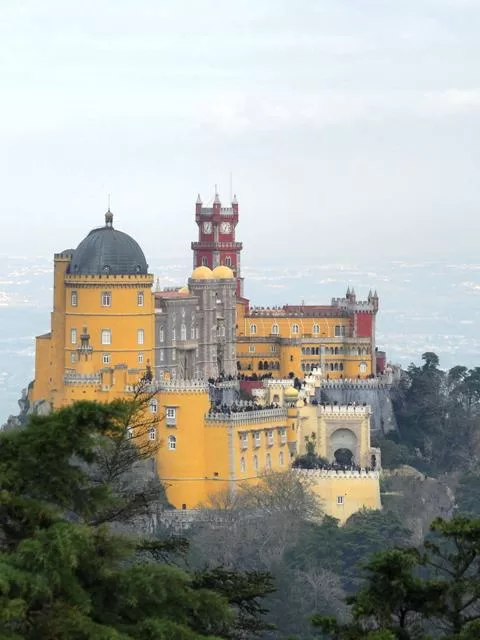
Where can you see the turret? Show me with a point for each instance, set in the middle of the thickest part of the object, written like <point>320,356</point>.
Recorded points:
<point>198,206</point>
<point>217,205</point>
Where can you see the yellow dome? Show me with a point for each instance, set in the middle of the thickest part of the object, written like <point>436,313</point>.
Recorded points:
<point>184,290</point>
<point>202,273</point>
<point>222,272</point>
<point>291,393</point>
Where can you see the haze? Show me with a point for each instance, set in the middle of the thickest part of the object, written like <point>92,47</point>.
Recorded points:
<point>349,127</point>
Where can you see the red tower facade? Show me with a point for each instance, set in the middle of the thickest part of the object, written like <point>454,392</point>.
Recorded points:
<point>216,243</point>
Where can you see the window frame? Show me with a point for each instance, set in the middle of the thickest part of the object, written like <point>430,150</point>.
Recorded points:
<point>74,296</point>
<point>73,336</point>
<point>103,334</point>
<point>172,443</point>
<point>140,298</point>
<point>106,299</point>
<point>141,336</point>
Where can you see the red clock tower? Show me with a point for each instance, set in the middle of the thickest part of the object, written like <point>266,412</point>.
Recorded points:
<point>216,237</point>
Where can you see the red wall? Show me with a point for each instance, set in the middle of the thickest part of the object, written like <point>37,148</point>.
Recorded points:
<point>364,325</point>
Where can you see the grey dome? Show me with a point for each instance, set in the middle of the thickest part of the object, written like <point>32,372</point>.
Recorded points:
<point>108,251</point>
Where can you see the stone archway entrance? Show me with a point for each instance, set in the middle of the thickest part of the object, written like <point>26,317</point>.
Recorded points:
<point>343,447</point>
<point>344,457</point>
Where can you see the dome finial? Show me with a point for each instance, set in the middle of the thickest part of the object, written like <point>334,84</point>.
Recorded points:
<point>109,219</point>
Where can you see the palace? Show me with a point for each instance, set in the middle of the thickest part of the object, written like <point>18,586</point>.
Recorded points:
<point>196,346</point>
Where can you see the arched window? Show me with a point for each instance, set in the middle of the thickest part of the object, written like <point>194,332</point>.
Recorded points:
<point>172,443</point>
<point>74,298</point>
<point>315,329</point>
<point>174,334</point>
<point>275,329</point>
<point>341,366</point>
<point>152,434</point>
<point>281,458</point>
<point>331,366</point>
<point>336,350</point>
<point>161,334</point>
<point>363,367</point>
<point>260,366</point>
<point>228,261</point>
<point>153,406</point>
<point>243,466</point>
<point>140,298</point>
<point>253,329</point>
<point>295,328</point>
<point>336,366</point>
<point>255,462</point>
<point>192,332</point>
<point>268,461</point>
<point>183,332</point>
<point>204,261</point>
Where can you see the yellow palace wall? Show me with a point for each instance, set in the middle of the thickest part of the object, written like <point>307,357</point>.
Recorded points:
<point>276,339</point>
<point>341,497</point>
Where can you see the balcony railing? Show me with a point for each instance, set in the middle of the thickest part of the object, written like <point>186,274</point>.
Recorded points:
<point>247,417</point>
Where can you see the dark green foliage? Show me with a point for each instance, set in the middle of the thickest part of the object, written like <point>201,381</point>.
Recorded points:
<point>418,595</point>
<point>438,414</point>
<point>64,574</point>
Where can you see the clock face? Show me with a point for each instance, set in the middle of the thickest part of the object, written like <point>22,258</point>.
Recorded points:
<point>207,227</point>
<point>225,227</point>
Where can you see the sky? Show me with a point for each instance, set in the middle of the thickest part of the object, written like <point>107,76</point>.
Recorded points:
<point>346,127</point>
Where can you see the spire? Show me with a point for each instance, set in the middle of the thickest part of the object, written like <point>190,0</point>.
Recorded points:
<point>109,219</point>
<point>375,295</point>
<point>234,201</point>
<point>217,197</point>
<point>157,285</point>
<point>199,200</point>
<point>369,294</point>
<point>348,291</point>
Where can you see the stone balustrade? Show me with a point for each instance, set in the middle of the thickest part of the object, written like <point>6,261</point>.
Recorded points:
<point>337,473</point>
<point>247,417</point>
<point>82,378</point>
<point>336,409</point>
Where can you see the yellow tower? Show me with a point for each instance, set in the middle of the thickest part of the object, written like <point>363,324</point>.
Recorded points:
<point>102,324</point>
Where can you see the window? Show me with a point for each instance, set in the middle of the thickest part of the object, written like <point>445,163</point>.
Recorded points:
<point>256,436</point>
<point>255,463</point>
<point>171,416</point>
<point>183,332</point>
<point>172,443</point>
<point>243,466</point>
<point>244,440</point>
<point>153,406</point>
<point>152,434</point>
<point>162,355</point>
<point>73,336</point>
<point>161,334</point>
<point>140,357</point>
<point>74,298</point>
<point>174,334</point>
<point>197,333</point>
<point>192,332</point>
<point>106,358</point>
<point>295,328</point>
<point>363,367</point>
<point>204,261</point>
<point>140,299</point>
<point>106,299</point>
<point>228,261</point>
<point>270,437</point>
<point>340,500</point>
<point>281,458</point>
<point>106,336</point>
<point>340,331</point>
<point>174,355</point>
<point>251,348</point>
<point>275,329</point>
<point>253,329</point>
<point>140,336</point>
<point>315,329</point>
<point>268,461</point>
<point>73,357</point>
<point>273,348</point>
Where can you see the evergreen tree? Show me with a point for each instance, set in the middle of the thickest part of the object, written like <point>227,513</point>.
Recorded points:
<point>64,573</point>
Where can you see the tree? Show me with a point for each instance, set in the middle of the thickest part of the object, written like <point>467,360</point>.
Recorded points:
<point>412,594</point>
<point>64,573</point>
